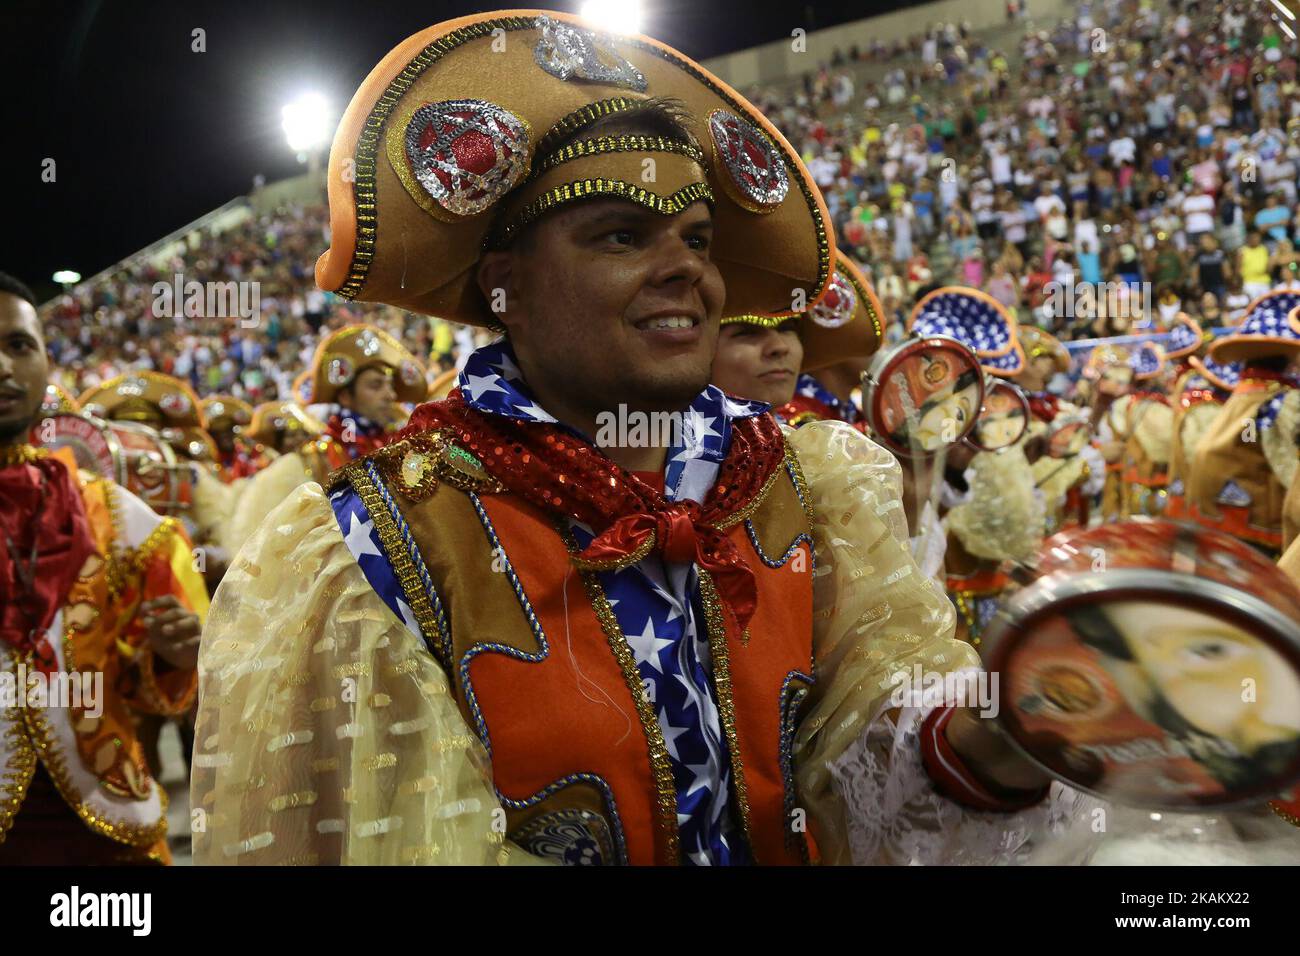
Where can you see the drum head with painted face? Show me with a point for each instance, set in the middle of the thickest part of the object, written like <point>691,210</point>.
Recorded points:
<point>1144,668</point>
<point>1003,420</point>
<point>924,394</point>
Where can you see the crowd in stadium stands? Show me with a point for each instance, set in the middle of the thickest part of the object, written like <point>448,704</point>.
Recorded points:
<point>1154,143</point>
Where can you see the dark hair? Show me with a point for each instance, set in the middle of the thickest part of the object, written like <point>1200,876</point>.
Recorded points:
<point>16,287</point>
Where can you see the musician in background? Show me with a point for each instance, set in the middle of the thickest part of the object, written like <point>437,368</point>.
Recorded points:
<point>96,592</point>
<point>239,455</point>
<point>359,375</point>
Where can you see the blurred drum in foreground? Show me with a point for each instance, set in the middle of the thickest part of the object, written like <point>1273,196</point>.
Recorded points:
<point>1154,664</point>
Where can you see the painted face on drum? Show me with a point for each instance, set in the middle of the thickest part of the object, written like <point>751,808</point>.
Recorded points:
<point>372,396</point>
<point>24,368</point>
<point>1219,678</point>
<point>944,420</point>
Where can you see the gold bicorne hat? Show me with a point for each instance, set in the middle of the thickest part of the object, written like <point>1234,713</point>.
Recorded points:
<point>342,355</point>
<point>145,396</point>
<point>456,141</point>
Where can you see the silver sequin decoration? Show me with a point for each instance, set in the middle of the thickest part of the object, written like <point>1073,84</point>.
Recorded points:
<point>755,166</point>
<point>568,52</point>
<point>339,371</point>
<point>837,306</point>
<point>460,191</point>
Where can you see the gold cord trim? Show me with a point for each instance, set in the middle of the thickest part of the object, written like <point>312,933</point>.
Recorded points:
<point>395,548</point>
<point>866,305</point>
<point>617,144</point>
<point>581,118</point>
<point>722,688</point>
<point>617,564</point>
<point>18,771</point>
<point>660,764</point>
<point>1290,818</point>
<point>586,189</point>
<point>20,455</point>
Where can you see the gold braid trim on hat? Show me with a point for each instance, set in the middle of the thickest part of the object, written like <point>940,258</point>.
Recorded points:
<point>618,144</point>
<point>583,117</point>
<point>766,321</point>
<point>864,300</point>
<point>586,188</point>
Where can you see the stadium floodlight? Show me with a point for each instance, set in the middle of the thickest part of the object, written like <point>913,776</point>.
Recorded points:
<point>306,122</point>
<point>66,277</point>
<point>616,16</point>
<point>1285,12</point>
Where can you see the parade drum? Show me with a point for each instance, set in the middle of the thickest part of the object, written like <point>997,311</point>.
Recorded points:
<point>1069,438</point>
<point>1155,664</point>
<point>1003,420</point>
<point>923,394</point>
<point>92,442</point>
<point>151,469</point>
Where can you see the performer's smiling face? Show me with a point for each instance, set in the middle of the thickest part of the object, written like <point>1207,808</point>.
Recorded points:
<point>24,368</point>
<point>610,303</point>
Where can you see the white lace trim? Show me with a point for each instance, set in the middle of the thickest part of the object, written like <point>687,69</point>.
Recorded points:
<point>896,815</point>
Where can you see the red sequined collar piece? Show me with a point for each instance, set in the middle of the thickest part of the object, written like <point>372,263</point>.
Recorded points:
<point>562,474</point>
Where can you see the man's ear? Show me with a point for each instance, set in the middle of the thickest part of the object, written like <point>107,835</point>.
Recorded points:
<point>498,282</point>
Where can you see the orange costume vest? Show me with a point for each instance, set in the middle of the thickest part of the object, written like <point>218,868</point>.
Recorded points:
<point>543,673</point>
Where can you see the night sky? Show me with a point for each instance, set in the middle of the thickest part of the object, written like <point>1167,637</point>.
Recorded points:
<point>148,135</point>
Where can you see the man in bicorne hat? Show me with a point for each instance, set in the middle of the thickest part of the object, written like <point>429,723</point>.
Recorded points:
<point>238,455</point>
<point>494,641</point>
<point>1238,478</point>
<point>771,358</point>
<point>359,375</point>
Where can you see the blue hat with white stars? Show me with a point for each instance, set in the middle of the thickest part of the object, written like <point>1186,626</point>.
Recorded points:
<point>974,318</point>
<point>1268,330</point>
<point>1185,337</point>
<point>1224,375</point>
<point>1147,361</point>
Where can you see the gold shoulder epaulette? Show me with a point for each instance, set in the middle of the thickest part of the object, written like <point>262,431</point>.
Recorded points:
<point>414,466</point>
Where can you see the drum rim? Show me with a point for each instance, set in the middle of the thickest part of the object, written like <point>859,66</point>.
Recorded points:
<point>1007,631</point>
<point>1055,430</point>
<point>1019,393</point>
<point>871,389</point>
<point>105,431</point>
